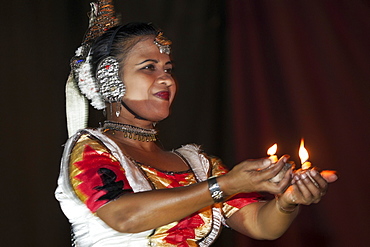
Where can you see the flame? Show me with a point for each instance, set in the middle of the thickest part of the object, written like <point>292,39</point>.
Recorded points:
<point>303,154</point>
<point>272,150</point>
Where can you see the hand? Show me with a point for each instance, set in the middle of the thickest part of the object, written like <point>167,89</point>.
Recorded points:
<point>254,175</point>
<point>307,187</point>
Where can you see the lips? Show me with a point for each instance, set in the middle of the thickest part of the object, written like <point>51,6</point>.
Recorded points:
<point>163,95</point>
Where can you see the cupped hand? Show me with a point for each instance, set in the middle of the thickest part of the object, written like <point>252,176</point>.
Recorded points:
<point>254,175</point>
<point>307,187</point>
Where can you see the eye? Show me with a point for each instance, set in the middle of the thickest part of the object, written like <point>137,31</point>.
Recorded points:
<point>149,67</point>
<point>168,70</point>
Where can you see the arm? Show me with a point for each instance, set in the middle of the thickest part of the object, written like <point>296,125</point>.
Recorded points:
<point>147,210</point>
<point>261,220</point>
<point>100,182</point>
<point>137,212</point>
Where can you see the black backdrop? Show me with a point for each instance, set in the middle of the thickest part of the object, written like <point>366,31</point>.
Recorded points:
<point>39,37</point>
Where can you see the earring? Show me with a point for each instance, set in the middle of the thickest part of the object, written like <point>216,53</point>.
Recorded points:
<point>118,108</point>
<point>110,84</point>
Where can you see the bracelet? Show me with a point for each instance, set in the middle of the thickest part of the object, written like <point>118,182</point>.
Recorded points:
<point>216,193</point>
<point>283,210</point>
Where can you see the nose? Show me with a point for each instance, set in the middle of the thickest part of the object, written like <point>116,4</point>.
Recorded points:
<point>166,79</point>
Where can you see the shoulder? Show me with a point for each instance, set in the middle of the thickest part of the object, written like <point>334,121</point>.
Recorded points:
<point>88,144</point>
<point>194,151</point>
<point>194,148</point>
<point>85,137</point>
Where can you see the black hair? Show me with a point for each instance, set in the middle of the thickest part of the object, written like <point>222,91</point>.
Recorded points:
<point>118,41</point>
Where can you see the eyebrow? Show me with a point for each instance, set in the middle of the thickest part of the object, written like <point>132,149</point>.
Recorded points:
<point>152,60</point>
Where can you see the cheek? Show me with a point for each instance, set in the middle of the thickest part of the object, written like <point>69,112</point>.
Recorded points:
<point>138,86</point>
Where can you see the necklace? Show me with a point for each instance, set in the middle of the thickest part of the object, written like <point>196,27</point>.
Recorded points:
<point>132,132</point>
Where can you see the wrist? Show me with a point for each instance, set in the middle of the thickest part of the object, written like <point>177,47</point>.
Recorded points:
<point>214,188</point>
<point>286,208</point>
<point>227,187</point>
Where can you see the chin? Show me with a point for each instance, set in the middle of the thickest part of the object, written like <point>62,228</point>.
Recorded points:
<point>154,115</point>
<point>157,116</point>
<point>160,118</point>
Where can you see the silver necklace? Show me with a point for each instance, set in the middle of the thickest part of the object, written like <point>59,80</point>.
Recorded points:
<point>132,132</point>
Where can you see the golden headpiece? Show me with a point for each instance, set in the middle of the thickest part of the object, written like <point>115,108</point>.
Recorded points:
<point>102,18</point>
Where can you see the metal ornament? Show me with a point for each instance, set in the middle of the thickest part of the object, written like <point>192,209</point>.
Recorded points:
<point>132,132</point>
<point>163,43</point>
<point>110,85</point>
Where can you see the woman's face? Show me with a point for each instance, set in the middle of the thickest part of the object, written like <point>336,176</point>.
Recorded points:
<point>150,88</point>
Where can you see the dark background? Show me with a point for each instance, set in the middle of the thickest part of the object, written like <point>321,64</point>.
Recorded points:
<point>250,73</point>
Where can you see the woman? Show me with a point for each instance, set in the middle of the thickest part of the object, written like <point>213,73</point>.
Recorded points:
<point>119,188</point>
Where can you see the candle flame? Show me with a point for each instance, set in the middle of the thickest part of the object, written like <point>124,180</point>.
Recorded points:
<point>303,154</point>
<point>272,150</point>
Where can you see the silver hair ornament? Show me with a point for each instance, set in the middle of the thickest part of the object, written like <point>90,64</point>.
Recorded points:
<point>163,48</point>
<point>163,44</point>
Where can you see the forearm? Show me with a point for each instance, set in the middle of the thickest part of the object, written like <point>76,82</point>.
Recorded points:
<point>262,220</point>
<point>147,210</point>
<point>274,218</point>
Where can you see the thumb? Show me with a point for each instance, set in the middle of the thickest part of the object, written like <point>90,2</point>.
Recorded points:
<point>257,164</point>
<point>329,176</point>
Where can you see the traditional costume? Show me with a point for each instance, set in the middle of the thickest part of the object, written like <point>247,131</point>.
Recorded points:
<point>94,171</point>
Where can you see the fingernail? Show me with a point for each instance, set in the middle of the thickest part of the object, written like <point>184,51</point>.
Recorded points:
<point>286,158</point>
<point>303,176</point>
<point>296,178</point>
<point>313,172</point>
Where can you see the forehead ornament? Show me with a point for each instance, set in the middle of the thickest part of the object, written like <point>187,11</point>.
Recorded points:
<point>163,43</point>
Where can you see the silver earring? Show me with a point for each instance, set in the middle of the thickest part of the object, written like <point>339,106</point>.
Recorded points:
<point>118,108</point>
<point>111,87</point>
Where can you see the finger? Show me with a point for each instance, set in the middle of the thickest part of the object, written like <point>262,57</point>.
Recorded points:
<point>281,162</point>
<point>306,194</point>
<point>271,171</point>
<point>286,180</point>
<point>315,184</point>
<point>312,186</point>
<point>308,173</point>
<point>329,176</point>
<point>281,186</point>
<point>258,164</point>
<point>323,184</point>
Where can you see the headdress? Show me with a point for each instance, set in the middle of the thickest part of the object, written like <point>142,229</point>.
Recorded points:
<point>81,85</point>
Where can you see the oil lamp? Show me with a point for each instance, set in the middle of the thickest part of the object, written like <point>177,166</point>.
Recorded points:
<point>272,156</point>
